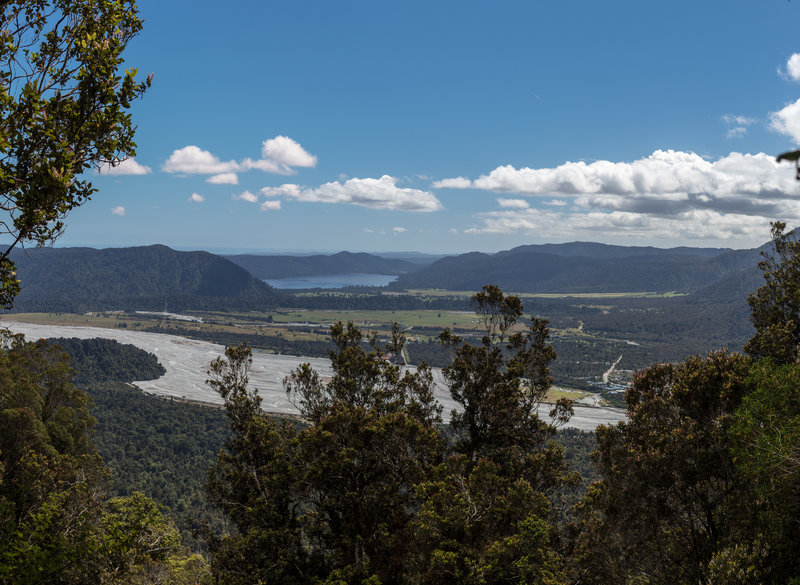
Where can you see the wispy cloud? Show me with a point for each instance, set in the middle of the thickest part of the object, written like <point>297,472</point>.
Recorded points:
<point>118,210</point>
<point>737,125</point>
<point>454,183</point>
<point>271,205</point>
<point>247,196</point>
<point>380,193</point>
<point>224,179</point>
<point>513,203</point>
<point>196,198</point>
<point>398,230</point>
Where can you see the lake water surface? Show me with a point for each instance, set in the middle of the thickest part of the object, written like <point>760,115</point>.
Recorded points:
<point>331,281</point>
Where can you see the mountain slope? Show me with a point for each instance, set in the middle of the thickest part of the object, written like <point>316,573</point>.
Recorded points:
<point>582,267</point>
<point>140,276</point>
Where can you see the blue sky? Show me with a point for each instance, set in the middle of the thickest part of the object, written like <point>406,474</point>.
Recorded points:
<point>446,127</point>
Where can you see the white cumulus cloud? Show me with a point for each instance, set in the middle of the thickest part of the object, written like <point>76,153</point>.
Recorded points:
<point>792,69</point>
<point>380,193</point>
<point>118,210</point>
<point>660,179</point>
<point>787,121</point>
<point>279,155</point>
<point>196,198</point>
<point>398,230</point>
<point>669,195</point>
<point>129,166</point>
<point>286,151</point>
<point>193,160</point>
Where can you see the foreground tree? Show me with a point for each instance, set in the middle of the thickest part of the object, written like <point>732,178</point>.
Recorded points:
<point>330,498</point>
<point>500,383</point>
<point>478,524</point>
<point>670,498</point>
<point>775,307</point>
<point>700,484</point>
<point>370,487</point>
<point>63,110</point>
<point>765,443</point>
<point>485,514</point>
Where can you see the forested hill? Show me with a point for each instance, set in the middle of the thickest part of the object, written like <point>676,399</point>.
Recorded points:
<point>586,267</point>
<point>137,277</point>
<point>319,265</point>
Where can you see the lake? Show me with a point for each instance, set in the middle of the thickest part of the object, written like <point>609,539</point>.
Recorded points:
<point>331,281</point>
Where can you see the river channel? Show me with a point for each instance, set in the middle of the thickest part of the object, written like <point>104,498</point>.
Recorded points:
<point>187,360</point>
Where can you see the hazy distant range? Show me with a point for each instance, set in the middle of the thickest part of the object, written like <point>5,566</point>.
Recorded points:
<point>576,267</point>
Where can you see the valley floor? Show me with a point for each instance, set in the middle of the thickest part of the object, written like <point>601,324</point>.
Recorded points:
<point>187,361</point>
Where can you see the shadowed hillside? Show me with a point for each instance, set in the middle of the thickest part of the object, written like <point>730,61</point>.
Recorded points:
<point>141,277</point>
<point>585,267</point>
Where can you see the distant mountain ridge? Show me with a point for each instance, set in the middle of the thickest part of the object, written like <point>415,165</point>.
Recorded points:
<point>609,251</point>
<point>144,276</point>
<point>584,267</point>
<point>152,277</point>
<point>320,265</point>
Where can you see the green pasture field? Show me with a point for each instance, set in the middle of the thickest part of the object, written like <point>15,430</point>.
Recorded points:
<point>292,324</point>
<point>376,319</point>
<point>434,292</point>
<point>286,322</point>
<point>133,322</point>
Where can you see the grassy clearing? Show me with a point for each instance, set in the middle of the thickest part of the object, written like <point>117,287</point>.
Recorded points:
<point>553,394</point>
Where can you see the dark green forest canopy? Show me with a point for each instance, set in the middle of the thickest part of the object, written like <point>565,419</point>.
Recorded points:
<point>153,445</point>
<point>146,277</point>
<point>57,521</point>
<point>106,360</point>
